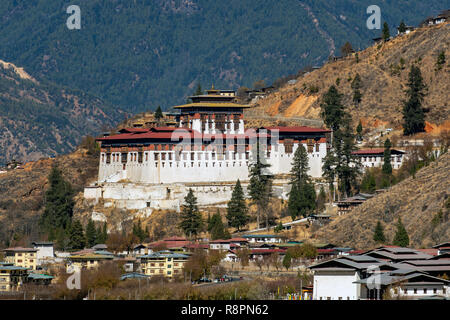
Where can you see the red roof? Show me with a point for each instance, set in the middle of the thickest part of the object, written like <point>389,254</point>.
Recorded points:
<point>375,151</point>
<point>133,130</point>
<point>175,239</point>
<point>257,251</point>
<point>432,252</point>
<point>325,250</point>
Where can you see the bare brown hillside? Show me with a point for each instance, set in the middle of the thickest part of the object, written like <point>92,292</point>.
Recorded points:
<point>423,204</point>
<point>383,82</point>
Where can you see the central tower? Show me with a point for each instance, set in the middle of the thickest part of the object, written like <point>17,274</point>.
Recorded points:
<point>213,113</point>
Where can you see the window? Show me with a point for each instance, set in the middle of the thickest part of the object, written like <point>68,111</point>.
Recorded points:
<point>415,291</point>
<point>152,264</point>
<point>161,264</point>
<point>424,291</point>
<point>169,266</point>
<point>434,290</point>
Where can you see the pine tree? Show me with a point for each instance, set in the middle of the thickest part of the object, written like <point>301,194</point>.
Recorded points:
<point>302,197</point>
<point>346,49</point>
<point>402,27</point>
<point>216,227</point>
<point>91,234</point>
<point>237,210</point>
<point>139,232</point>
<point>59,203</point>
<point>413,114</point>
<point>378,235</point>
<point>77,240</point>
<point>356,85</point>
<point>199,90</point>
<point>387,167</point>
<point>191,219</point>
<point>440,60</point>
<point>359,129</point>
<point>158,113</point>
<point>368,183</point>
<point>332,108</point>
<point>401,237</point>
<point>287,260</point>
<point>260,186</point>
<point>386,33</point>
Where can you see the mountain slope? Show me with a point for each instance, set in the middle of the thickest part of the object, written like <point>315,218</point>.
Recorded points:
<point>417,201</point>
<point>39,119</point>
<point>383,80</point>
<point>141,54</point>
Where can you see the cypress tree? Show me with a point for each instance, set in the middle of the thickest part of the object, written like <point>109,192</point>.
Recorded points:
<point>387,167</point>
<point>237,210</point>
<point>359,129</point>
<point>216,227</point>
<point>378,235</point>
<point>77,240</point>
<point>199,90</point>
<point>321,200</point>
<point>386,33</point>
<point>260,186</point>
<point>287,260</point>
<point>91,234</point>
<point>413,114</point>
<point>401,237</point>
<point>59,203</point>
<point>402,27</point>
<point>191,219</point>
<point>302,197</point>
<point>356,85</point>
<point>158,113</point>
<point>332,108</point>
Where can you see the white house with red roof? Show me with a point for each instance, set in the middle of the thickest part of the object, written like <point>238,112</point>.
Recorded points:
<point>370,158</point>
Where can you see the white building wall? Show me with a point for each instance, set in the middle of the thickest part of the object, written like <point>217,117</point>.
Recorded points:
<point>335,285</point>
<point>204,168</point>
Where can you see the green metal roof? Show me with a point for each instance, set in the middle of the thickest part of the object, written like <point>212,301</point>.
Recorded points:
<point>39,276</point>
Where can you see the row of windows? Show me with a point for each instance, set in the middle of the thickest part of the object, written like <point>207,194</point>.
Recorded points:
<point>373,159</point>
<point>425,291</point>
<point>139,156</point>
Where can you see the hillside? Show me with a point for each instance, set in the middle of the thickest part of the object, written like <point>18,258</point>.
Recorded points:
<point>41,119</point>
<point>383,81</point>
<point>22,192</point>
<point>141,54</point>
<point>417,201</point>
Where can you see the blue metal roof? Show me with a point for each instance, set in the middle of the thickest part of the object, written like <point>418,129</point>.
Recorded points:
<point>134,275</point>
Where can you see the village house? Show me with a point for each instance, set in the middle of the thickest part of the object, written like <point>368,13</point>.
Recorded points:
<point>22,257</point>
<point>86,261</point>
<point>394,271</point>
<point>262,238</point>
<point>370,158</point>
<point>163,263</point>
<point>45,251</point>
<point>11,277</point>
<point>348,204</point>
<point>442,248</point>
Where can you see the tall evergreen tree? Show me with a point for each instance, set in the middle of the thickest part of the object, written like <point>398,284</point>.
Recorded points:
<point>401,237</point>
<point>321,200</point>
<point>387,167</point>
<point>386,33</point>
<point>59,203</point>
<point>332,108</point>
<point>216,227</point>
<point>402,27</point>
<point>77,240</point>
<point>378,235</point>
<point>158,113</point>
<point>191,218</point>
<point>139,232</point>
<point>198,91</point>
<point>260,186</point>
<point>91,234</point>
<point>368,183</point>
<point>237,210</point>
<point>356,85</point>
<point>302,197</point>
<point>413,113</point>
<point>359,129</point>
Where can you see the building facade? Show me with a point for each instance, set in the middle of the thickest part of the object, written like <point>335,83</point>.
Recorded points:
<point>209,144</point>
<point>371,158</point>
<point>22,257</point>
<point>163,263</point>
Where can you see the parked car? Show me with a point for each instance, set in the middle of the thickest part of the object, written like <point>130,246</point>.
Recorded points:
<point>204,280</point>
